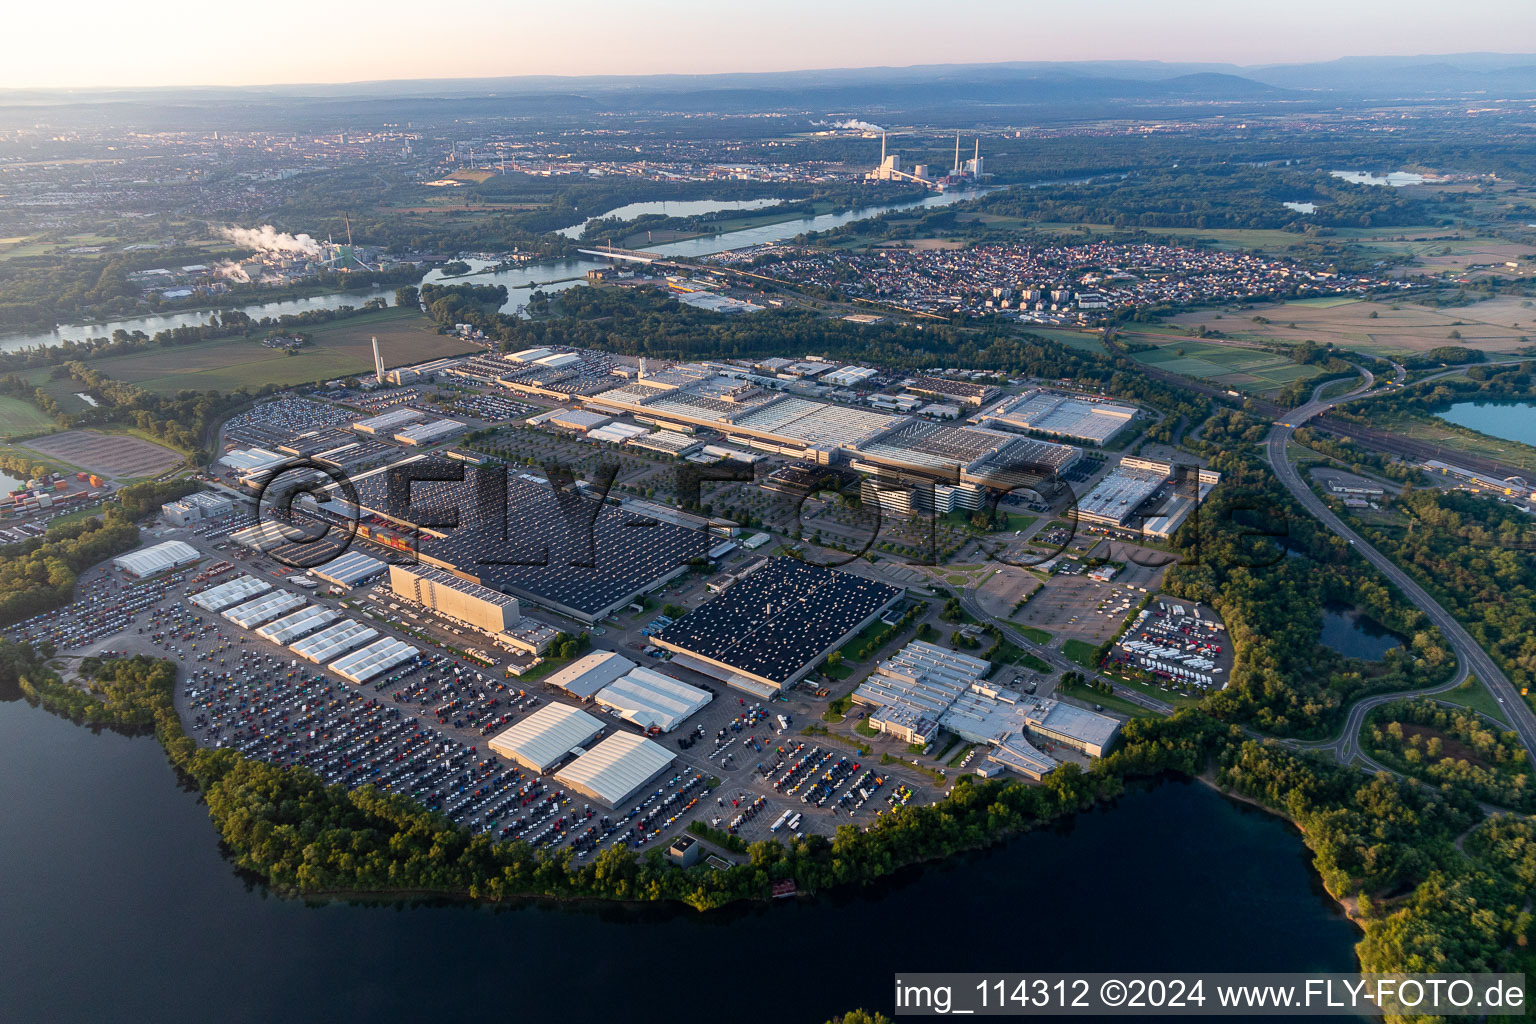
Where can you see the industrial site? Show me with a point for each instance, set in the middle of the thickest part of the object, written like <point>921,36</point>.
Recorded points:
<point>399,598</point>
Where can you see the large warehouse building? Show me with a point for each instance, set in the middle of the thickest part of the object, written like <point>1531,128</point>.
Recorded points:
<point>171,554</point>
<point>616,769</point>
<point>375,659</point>
<point>546,737</point>
<point>585,676</point>
<point>771,629</point>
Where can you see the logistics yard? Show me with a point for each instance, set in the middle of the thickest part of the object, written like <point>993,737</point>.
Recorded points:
<point>115,456</point>
<point>440,662</point>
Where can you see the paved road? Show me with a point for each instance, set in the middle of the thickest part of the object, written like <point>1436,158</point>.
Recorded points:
<point>1056,660</point>
<point>1473,658</point>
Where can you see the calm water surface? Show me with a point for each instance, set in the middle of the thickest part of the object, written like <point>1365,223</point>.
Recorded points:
<point>1354,634</point>
<point>1513,421</point>
<point>116,904</point>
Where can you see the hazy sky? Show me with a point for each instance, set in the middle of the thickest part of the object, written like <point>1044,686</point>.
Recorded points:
<point>216,42</point>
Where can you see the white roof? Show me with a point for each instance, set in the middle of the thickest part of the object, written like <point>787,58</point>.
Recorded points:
<point>616,768</point>
<point>246,459</point>
<point>388,420</point>
<point>160,557</point>
<point>299,623</point>
<point>647,697</point>
<point>349,569</point>
<point>585,676</point>
<point>333,640</point>
<point>375,659</point>
<point>264,609</point>
<point>546,736</point>
<point>216,599</point>
<point>422,433</point>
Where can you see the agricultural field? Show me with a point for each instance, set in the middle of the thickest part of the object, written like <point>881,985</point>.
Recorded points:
<point>1231,366</point>
<point>19,417</point>
<point>1498,326</point>
<point>336,349</point>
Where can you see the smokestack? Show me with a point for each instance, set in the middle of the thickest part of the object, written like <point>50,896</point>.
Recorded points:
<point>957,152</point>
<point>882,149</point>
<point>378,361</point>
<point>978,147</point>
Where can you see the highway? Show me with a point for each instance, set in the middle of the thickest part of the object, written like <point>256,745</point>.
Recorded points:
<point>1473,659</point>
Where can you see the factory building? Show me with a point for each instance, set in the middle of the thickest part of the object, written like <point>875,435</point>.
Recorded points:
<point>263,609</point>
<point>196,507</point>
<point>768,631</point>
<point>350,569</point>
<point>1063,415</point>
<point>924,688</point>
<point>615,770</point>
<point>579,420</point>
<point>945,390</point>
<point>388,422</point>
<point>1116,499</point>
<point>430,432</point>
<point>441,591</point>
<point>298,624</point>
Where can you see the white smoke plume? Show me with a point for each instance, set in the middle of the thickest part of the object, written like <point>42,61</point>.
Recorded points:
<point>860,126</point>
<point>269,239</point>
<point>233,271</point>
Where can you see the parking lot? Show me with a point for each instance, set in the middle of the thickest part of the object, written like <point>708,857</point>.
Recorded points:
<point>422,729</point>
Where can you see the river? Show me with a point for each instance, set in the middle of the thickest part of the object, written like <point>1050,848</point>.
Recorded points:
<point>670,208</point>
<point>521,281</point>
<point>117,904</point>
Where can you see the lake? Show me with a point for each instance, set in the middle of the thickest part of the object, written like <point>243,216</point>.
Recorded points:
<point>670,208</point>
<point>117,904</point>
<point>521,281</point>
<point>1513,421</point>
<point>1301,207</point>
<point>1354,634</point>
<point>1396,179</point>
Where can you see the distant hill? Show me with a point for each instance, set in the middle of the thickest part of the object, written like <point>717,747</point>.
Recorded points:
<point>1039,90</point>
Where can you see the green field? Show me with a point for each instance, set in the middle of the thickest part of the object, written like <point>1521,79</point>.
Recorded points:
<point>1088,341</point>
<point>1453,437</point>
<point>1226,365</point>
<point>336,349</point>
<point>1473,694</point>
<point>1081,652</point>
<point>18,417</point>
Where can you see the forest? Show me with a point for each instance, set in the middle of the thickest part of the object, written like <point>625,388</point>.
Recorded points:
<point>1452,747</point>
<point>39,574</point>
<point>1269,568</point>
<point>1478,558</point>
